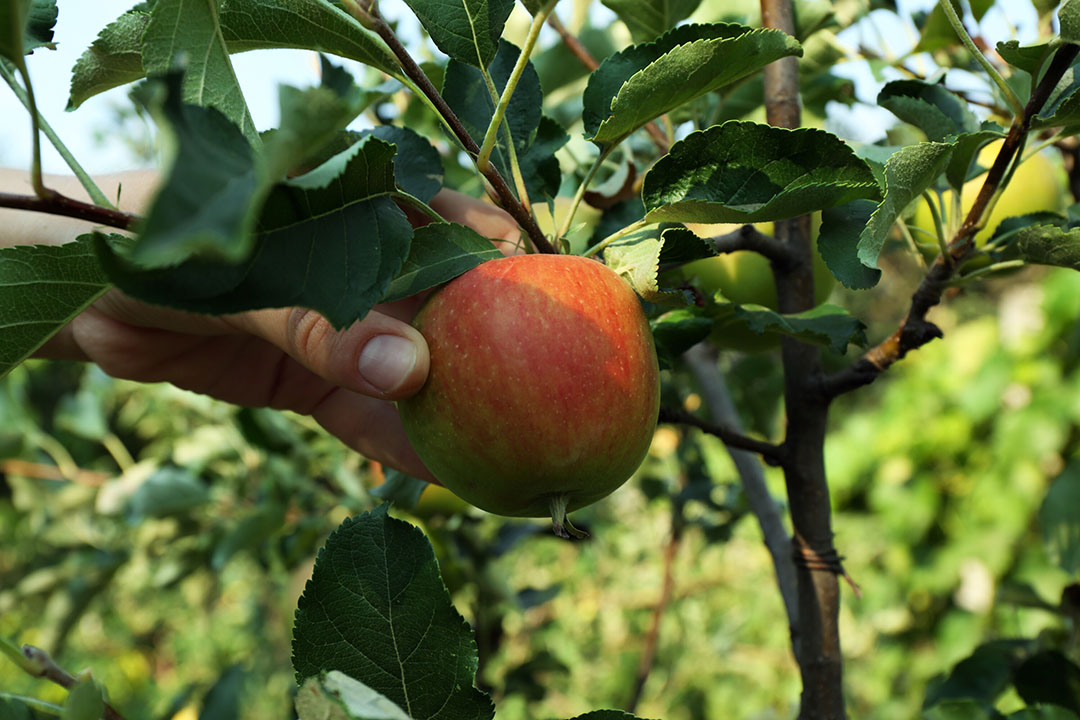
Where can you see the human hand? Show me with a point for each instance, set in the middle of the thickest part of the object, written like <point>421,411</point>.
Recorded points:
<point>287,359</point>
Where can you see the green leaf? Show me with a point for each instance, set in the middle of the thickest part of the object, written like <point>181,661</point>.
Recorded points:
<point>982,676</point>
<point>467,94</point>
<point>937,32</point>
<point>115,57</point>
<point>648,19</point>
<point>539,165</point>
<point>169,491</point>
<point>743,172</point>
<point>84,702</point>
<point>188,32</point>
<point>208,203</point>
<point>39,25</point>
<point>683,246</point>
<point>418,168</point>
<point>1059,521</point>
<point>311,118</point>
<point>937,111</point>
<point>827,325</point>
<point>1051,678</point>
<point>1063,106</point>
<point>1029,58</point>
<point>248,533</point>
<point>645,81</point>
<point>336,224</point>
<point>838,244</point>
<point>909,172</point>
<point>1049,245</point>
<point>222,701</point>
<point>637,258</point>
<point>336,696</point>
<point>676,331</point>
<point>1069,19</point>
<point>439,253</point>
<point>41,289</point>
<point>466,30</point>
<point>376,609</point>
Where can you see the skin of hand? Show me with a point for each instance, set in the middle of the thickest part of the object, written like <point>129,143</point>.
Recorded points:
<point>287,359</point>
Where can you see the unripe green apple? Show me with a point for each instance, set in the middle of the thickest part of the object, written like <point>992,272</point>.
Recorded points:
<point>746,278</point>
<point>1038,184</point>
<point>544,389</point>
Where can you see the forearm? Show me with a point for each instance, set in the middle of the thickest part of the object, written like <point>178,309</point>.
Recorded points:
<point>135,189</point>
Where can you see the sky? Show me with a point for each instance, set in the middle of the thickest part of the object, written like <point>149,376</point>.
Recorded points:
<point>261,72</point>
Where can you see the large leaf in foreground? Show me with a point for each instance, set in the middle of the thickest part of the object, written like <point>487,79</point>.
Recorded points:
<point>41,289</point>
<point>744,172</point>
<point>188,31</point>
<point>115,56</point>
<point>466,30</point>
<point>1049,245</point>
<point>645,81</point>
<point>331,240</point>
<point>376,609</point>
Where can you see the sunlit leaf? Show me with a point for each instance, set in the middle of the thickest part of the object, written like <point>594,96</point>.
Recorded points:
<point>336,696</point>
<point>439,253</point>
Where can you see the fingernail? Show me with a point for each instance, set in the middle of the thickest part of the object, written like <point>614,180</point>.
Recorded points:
<point>386,361</point>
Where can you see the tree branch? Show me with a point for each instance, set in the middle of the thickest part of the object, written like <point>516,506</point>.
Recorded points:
<point>915,330</point>
<point>818,649</point>
<point>702,362</point>
<point>770,453</point>
<point>748,237</point>
<point>503,195</point>
<point>45,667</point>
<point>54,203</point>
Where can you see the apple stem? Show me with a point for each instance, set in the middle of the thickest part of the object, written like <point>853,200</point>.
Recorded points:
<point>560,523</point>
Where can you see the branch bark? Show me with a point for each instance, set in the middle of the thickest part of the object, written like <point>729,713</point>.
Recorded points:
<point>818,652</point>
<point>772,454</point>
<point>54,203</point>
<point>46,667</point>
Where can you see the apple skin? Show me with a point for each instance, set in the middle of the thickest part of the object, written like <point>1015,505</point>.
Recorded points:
<point>543,384</point>
<point>1038,184</point>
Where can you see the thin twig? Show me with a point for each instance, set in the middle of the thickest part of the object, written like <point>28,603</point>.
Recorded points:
<point>770,453</point>
<point>503,195</point>
<point>915,330</point>
<point>54,203</point>
<point>47,668</point>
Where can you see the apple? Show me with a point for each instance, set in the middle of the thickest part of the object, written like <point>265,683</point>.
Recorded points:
<point>745,278</point>
<point>1038,184</point>
<point>437,500</point>
<point>544,388</point>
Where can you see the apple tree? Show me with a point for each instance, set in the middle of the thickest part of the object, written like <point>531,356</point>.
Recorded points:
<point>628,148</point>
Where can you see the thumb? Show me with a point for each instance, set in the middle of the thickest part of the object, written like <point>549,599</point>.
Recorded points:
<point>378,356</point>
